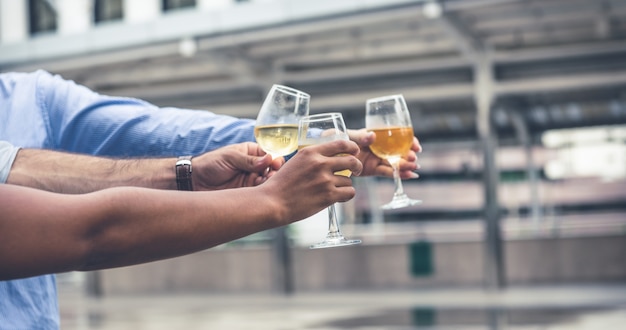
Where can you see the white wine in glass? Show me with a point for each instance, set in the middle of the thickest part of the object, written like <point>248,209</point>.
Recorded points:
<point>316,129</point>
<point>276,129</point>
<point>388,117</point>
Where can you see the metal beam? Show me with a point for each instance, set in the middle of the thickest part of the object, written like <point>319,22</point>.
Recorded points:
<point>495,277</point>
<point>521,128</point>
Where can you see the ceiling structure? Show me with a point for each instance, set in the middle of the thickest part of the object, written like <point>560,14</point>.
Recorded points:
<point>554,64</point>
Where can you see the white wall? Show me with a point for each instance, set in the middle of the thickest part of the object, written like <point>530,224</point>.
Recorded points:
<point>141,11</point>
<point>75,16</point>
<point>213,4</point>
<point>13,21</point>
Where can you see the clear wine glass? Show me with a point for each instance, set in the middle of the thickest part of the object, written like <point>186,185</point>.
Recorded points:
<point>316,129</point>
<point>276,129</point>
<point>388,117</point>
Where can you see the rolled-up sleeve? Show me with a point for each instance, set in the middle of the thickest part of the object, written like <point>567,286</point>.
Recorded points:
<point>7,156</point>
<point>84,121</point>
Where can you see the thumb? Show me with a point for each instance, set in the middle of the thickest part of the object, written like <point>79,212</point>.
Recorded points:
<point>258,164</point>
<point>362,137</point>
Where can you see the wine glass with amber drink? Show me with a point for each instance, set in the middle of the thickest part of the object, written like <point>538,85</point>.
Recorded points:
<point>321,128</point>
<point>389,118</point>
<point>276,129</point>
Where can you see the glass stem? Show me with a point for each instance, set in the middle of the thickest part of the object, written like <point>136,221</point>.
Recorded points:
<point>399,191</point>
<point>333,224</point>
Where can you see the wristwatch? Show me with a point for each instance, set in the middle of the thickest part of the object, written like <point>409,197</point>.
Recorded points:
<point>183,173</point>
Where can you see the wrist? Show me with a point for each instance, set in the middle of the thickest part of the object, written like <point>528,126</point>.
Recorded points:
<point>183,171</point>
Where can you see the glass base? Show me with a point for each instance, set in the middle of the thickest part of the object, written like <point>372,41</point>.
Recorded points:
<point>333,242</point>
<point>400,201</point>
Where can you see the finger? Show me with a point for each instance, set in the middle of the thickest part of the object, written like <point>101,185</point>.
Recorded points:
<point>406,165</point>
<point>260,179</point>
<point>362,137</point>
<point>416,146</point>
<point>344,194</point>
<point>406,175</point>
<point>410,156</point>
<point>259,164</point>
<point>341,181</point>
<point>347,163</point>
<point>269,171</point>
<point>407,169</point>
<point>257,161</point>
<point>334,148</point>
<point>277,163</point>
<point>384,170</point>
<point>254,149</point>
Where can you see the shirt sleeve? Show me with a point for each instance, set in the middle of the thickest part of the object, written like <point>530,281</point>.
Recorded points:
<point>84,121</point>
<point>7,156</point>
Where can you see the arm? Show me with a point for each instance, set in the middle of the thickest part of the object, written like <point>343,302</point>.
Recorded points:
<point>238,165</point>
<point>43,232</point>
<point>64,172</point>
<point>86,122</point>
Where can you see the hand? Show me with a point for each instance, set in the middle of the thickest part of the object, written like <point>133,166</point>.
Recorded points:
<point>307,184</point>
<point>233,166</point>
<point>373,165</point>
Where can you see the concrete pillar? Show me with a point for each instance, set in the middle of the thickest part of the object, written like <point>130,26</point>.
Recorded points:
<point>526,142</point>
<point>484,94</point>
<point>13,21</point>
<point>74,16</point>
<point>141,11</point>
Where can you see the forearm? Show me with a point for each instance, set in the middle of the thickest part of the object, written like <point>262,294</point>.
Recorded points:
<point>120,226</point>
<point>175,224</point>
<point>74,173</point>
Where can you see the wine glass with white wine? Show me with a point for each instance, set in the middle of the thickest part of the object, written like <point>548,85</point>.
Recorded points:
<point>276,129</point>
<point>388,117</point>
<point>316,129</point>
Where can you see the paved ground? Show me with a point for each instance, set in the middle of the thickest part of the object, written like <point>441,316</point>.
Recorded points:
<point>588,307</point>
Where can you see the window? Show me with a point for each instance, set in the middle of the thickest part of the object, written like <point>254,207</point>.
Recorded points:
<point>177,4</point>
<point>43,16</point>
<point>108,10</point>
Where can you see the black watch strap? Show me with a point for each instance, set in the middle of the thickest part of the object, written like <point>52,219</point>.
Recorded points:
<point>183,173</point>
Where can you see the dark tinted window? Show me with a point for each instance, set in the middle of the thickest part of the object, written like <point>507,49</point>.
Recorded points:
<point>108,10</point>
<point>176,4</point>
<point>43,16</point>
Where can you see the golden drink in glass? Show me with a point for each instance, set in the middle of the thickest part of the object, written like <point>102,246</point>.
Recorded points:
<point>388,117</point>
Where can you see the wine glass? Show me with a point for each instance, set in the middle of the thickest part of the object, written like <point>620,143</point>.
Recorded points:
<point>276,129</point>
<point>388,117</point>
<point>316,129</point>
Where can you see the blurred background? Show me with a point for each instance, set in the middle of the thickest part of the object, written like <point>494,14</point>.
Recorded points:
<point>520,106</point>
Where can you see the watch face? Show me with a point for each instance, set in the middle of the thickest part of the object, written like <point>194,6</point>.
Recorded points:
<point>184,160</point>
